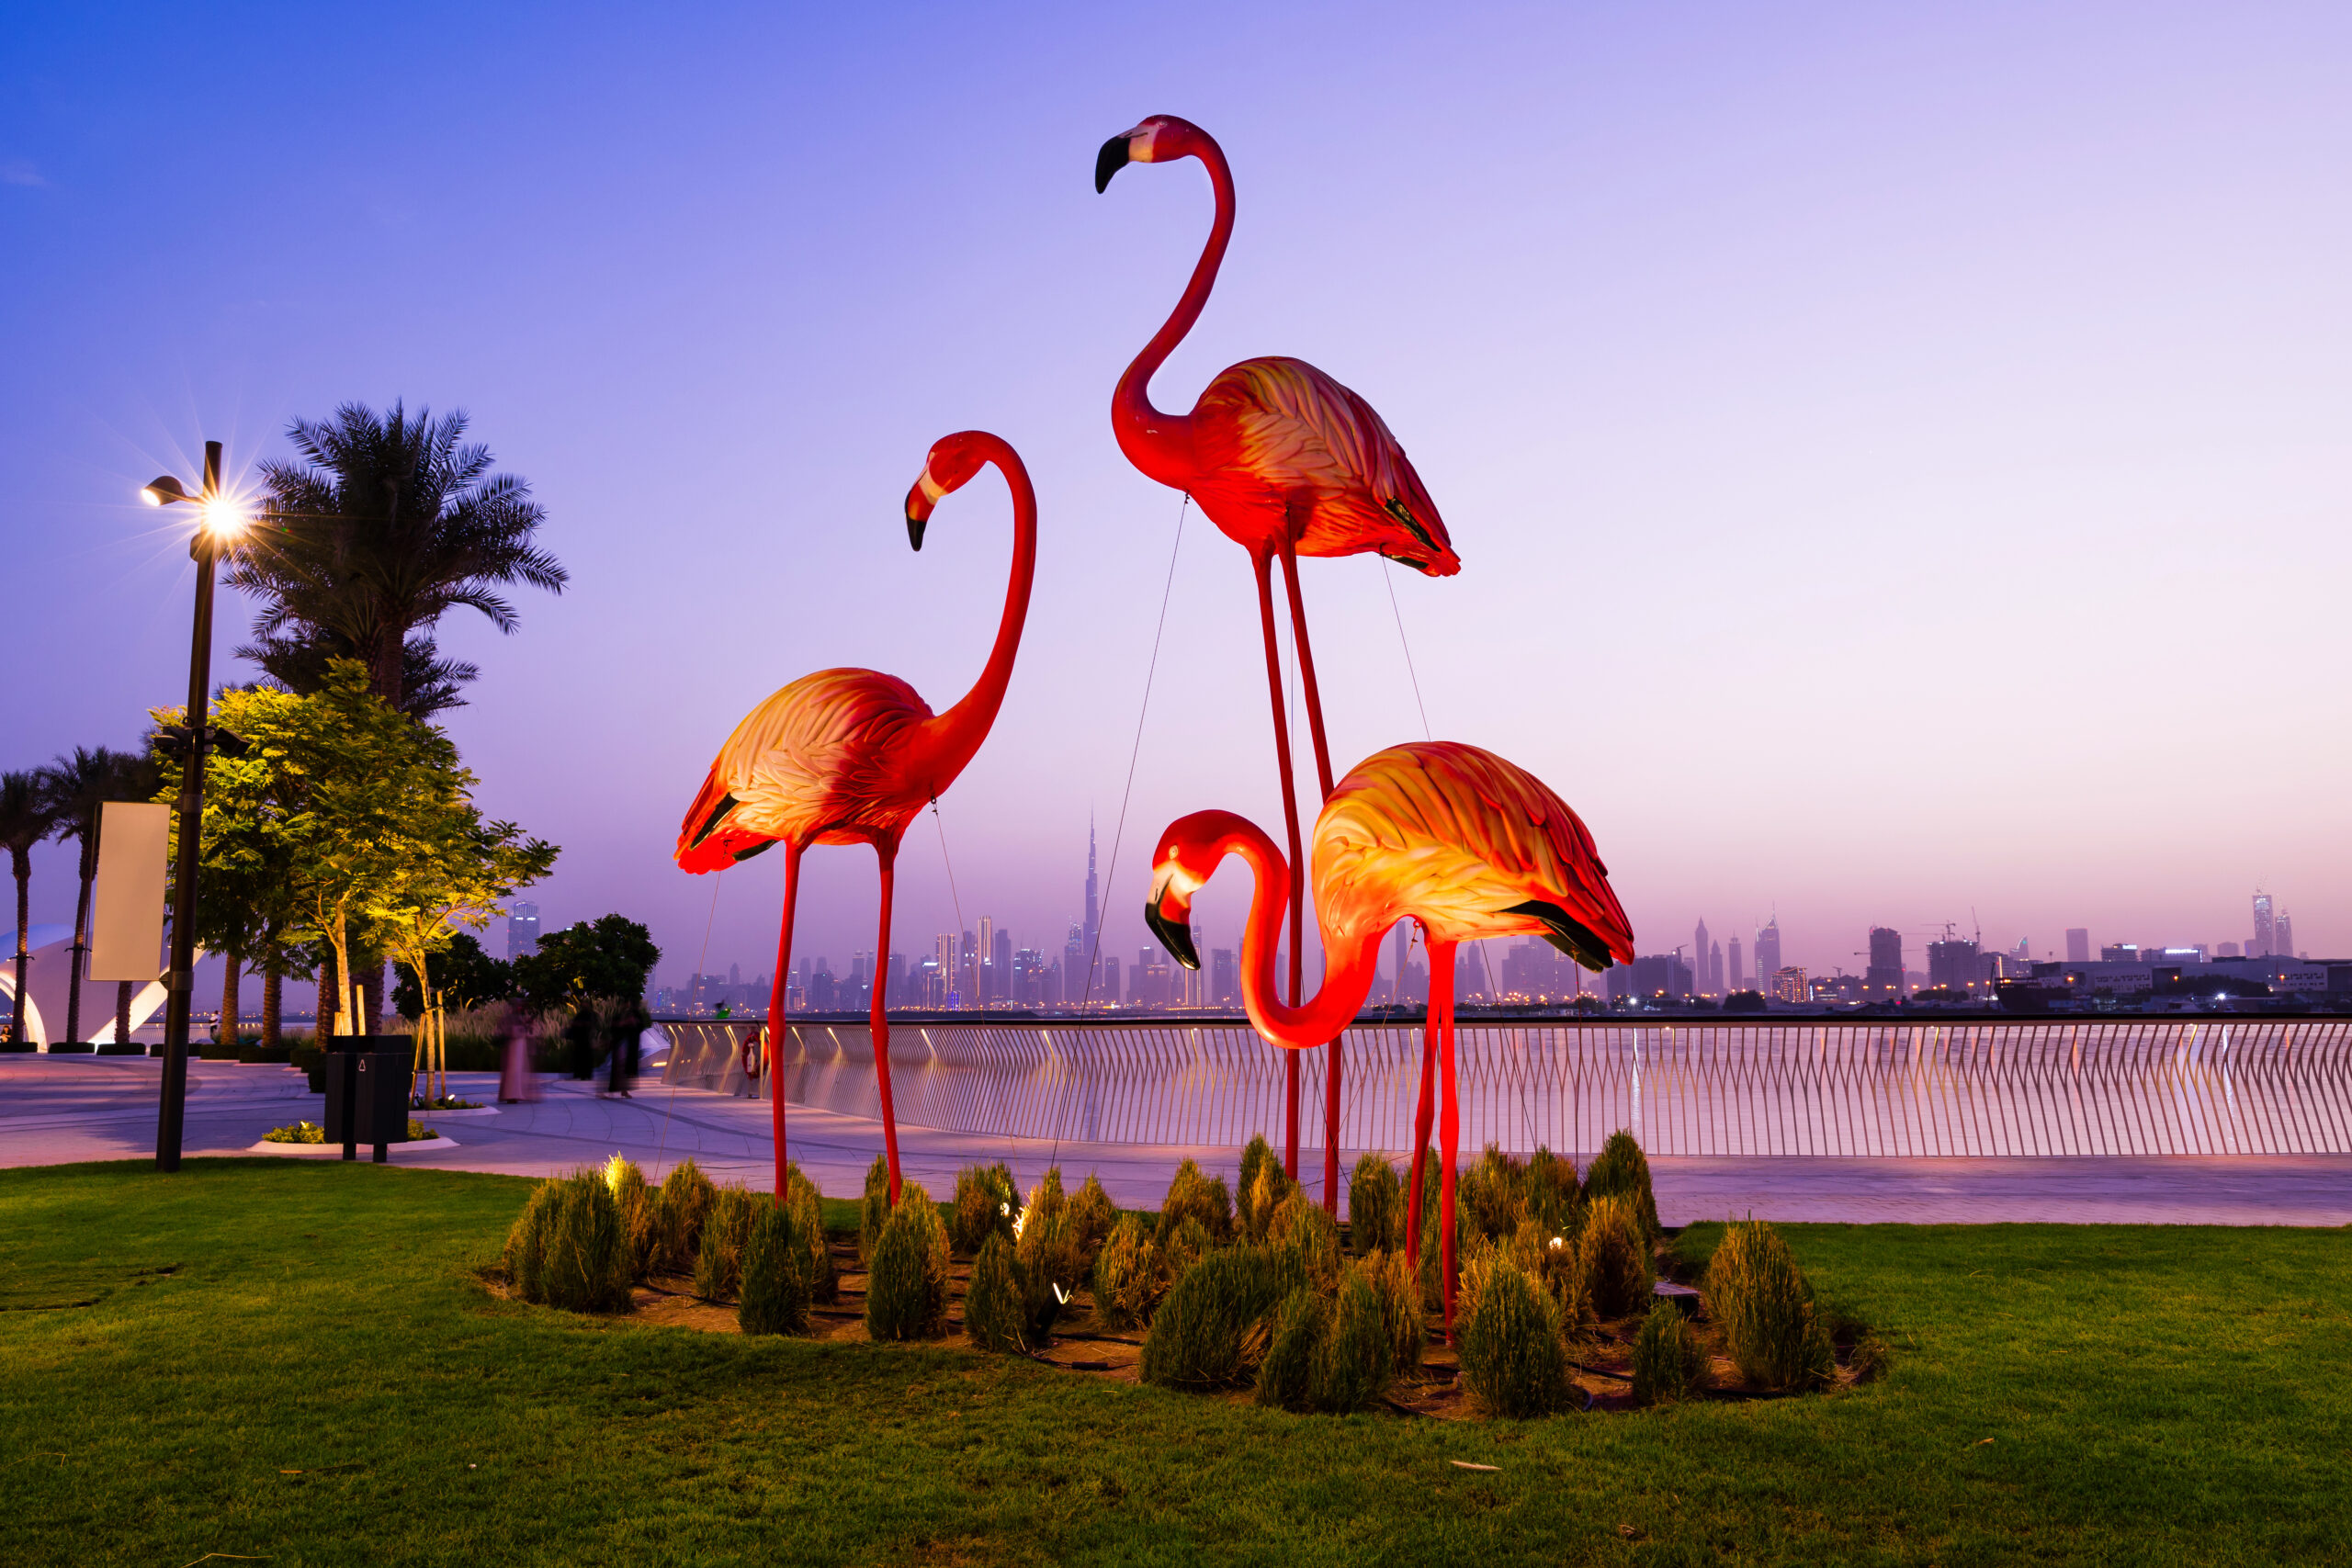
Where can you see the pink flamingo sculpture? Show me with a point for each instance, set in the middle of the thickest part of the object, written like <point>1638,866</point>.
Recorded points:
<point>1286,462</point>
<point>853,756</point>
<point>1454,836</point>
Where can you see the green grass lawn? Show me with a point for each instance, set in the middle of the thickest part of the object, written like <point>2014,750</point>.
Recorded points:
<point>2105,1394</point>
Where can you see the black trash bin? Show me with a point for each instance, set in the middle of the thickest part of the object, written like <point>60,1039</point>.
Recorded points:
<point>366,1091</point>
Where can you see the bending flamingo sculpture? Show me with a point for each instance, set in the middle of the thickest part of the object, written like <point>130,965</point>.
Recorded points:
<point>1454,836</point>
<point>853,756</point>
<point>1286,462</point>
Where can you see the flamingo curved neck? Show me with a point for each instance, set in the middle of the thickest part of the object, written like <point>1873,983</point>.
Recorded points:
<point>1161,444</point>
<point>1349,964</point>
<point>956,735</point>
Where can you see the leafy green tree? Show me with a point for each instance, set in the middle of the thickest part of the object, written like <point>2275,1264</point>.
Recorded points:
<point>463,973</point>
<point>457,870</point>
<point>342,820</point>
<point>26,819</point>
<point>607,959</point>
<point>386,523</point>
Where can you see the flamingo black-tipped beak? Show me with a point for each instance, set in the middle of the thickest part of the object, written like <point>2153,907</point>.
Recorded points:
<point>914,529</point>
<point>1567,933</point>
<point>1109,161</point>
<point>1176,936</point>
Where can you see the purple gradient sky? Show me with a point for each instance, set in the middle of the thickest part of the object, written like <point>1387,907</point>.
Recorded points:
<point>1900,455</point>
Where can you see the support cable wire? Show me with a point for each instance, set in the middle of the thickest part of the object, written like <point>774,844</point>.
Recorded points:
<point>1118,834</point>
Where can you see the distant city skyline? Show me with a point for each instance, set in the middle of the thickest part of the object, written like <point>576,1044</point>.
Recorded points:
<point>1988,370</point>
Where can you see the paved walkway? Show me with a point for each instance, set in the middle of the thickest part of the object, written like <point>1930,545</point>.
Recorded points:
<point>58,1110</point>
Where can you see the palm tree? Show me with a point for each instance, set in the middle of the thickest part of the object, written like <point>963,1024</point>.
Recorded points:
<point>74,787</point>
<point>24,820</point>
<point>386,523</point>
<point>298,662</point>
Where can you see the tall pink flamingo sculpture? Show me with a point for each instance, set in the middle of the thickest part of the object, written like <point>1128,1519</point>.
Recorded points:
<point>853,756</point>
<point>1286,462</point>
<point>1454,836</point>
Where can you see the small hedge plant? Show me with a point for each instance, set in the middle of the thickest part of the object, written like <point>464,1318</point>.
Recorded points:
<point>1621,1170</point>
<point>685,1199</point>
<point>996,1314</point>
<point>1194,1196</point>
<point>1513,1360</point>
<point>774,1297</point>
<point>1669,1363</point>
<point>906,1285</point>
<point>1375,1207</point>
<point>1614,1258</point>
<point>1128,1277</point>
<point>874,1208</point>
<point>719,1252</point>
<point>1772,1329</point>
<point>984,1201</point>
<point>569,1248</point>
<point>1207,1332</point>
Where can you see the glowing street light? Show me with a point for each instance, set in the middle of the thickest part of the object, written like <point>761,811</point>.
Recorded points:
<point>219,525</point>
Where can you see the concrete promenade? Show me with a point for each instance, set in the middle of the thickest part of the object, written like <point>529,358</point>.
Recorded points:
<point>58,1110</point>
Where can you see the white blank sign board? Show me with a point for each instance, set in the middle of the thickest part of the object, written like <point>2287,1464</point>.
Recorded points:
<point>127,924</point>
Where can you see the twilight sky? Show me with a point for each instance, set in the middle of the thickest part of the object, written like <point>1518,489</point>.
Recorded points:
<point>1899,455</point>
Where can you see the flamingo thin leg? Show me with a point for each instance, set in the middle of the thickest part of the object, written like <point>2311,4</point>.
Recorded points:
<point>1424,1109</point>
<point>1263,565</point>
<point>1333,1051</point>
<point>879,1018</point>
<point>772,1065</point>
<point>1449,1126</point>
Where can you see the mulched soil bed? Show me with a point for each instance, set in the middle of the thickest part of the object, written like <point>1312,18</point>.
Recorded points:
<point>1602,1375</point>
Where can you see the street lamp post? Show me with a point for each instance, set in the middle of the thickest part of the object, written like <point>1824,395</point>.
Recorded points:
<point>215,530</point>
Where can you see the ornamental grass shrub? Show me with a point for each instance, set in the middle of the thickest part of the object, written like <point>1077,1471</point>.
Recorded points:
<point>1128,1278</point>
<point>1375,1207</point>
<point>906,1285</point>
<point>1669,1363</point>
<point>1209,1330</point>
<point>1391,1274</point>
<point>1613,1257</point>
<point>640,1217</point>
<point>807,1205</point>
<point>726,1224</point>
<point>1490,1192</point>
<point>874,1208</point>
<point>1553,1199</point>
<point>996,1314</point>
<point>1771,1330</point>
<point>1051,1268</point>
<point>1046,1197</point>
<point>1091,1216</point>
<point>685,1197</point>
<point>1194,1196</point>
<point>1263,1186</point>
<point>984,1201</point>
<point>1191,1243</point>
<point>1301,1329</point>
<point>1621,1170</point>
<point>527,1243</point>
<point>1310,1238</point>
<point>772,1297</point>
<point>1513,1362</point>
<point>584,1248</point>
<point>1357,1357</point>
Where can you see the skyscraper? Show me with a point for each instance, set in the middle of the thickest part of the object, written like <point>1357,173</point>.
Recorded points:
<point>1093,912</point>
<point>522,930</point>
<point>1699,946</point>
<point>1000,966</point>
<point>2282,936</point>
<point>987,977</point>
<point>1074,967</point>
<point>1883,979</point>
<point>1715,968</point>
<point>1768,949</point>
<point>2078,945</point>
<point>1224,978</point>
<point>2265,929</point>
<point>1738,976</point>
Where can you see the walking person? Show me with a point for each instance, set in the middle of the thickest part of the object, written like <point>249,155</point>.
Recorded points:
<point>627,1036</point>
<point>580,1040</point>
<point>516,1083</point>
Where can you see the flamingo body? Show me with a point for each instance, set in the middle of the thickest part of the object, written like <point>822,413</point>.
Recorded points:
<point>823,760</point>
<point>850,756</point>
<point>1282,451</point>
<point>1460,840</point>
<point>1455,837</point>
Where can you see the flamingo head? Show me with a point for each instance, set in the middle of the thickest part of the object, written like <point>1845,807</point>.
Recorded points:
<point>952,461</point>
<point>709,839</point>
<point>1160,140</point>
<point>1189,854</point>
